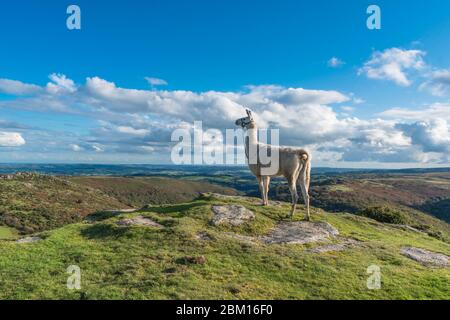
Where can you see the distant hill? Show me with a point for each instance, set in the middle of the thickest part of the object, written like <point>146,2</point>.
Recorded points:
<point>139,191</point>
<point>177,170</point>
<point>33,202</point>
<point>182,255</point>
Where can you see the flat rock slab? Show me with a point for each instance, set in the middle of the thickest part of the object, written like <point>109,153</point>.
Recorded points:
<point>29,240</point>
<point>300,232</point>
<point>427,258</point>
<point>234,215</point>
<point>139,221</point>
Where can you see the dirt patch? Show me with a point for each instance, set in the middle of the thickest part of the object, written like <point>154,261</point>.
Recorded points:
<point>234,215</point>
<point>300,232</point>
<point>139,221</point>
<point>425,257</point>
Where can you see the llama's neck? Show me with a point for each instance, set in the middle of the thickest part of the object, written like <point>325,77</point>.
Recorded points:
<point>252,134</point>
<point>251,140</point>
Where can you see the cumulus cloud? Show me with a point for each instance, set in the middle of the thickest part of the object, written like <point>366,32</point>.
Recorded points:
<point>132,131</point>
<point>335,62</point>
<point>431,136</point>
<point>60,84</point>
<point>434,111</point>
<point>11,139</point>
<point>437,83</point>
<point>393,64</point>
<point>15,87</point>
<point>140,122</point>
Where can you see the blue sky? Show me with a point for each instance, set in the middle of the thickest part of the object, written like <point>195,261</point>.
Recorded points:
<point>394,83</point>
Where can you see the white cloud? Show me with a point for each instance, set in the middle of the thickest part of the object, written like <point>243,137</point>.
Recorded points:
<point>11,139</point>
<point>393,64</point>
<point>140,122</point>
<point>335,62</point>
<point>60,84</point>
<point>76,148</point>
<point>17,87</point>
<point>98,148</point>
<point>156,81</point>
<point>434,111</point>
<point>431,136</point>
<point>358,100</point>
<point>438,83</point>
<point>132,131</point>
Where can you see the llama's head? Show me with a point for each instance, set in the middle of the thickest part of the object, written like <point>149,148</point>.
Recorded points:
<point>247,122</point>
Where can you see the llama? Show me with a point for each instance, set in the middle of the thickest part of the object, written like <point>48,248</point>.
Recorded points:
<point>293,164</point>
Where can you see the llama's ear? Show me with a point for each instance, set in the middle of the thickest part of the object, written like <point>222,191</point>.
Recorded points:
<point>249,113</point>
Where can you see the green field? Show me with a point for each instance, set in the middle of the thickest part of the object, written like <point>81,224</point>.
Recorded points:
<point>155,263</point>
<point>7,233</point>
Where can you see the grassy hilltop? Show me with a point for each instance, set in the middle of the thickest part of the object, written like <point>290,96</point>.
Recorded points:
<point>187,257</point>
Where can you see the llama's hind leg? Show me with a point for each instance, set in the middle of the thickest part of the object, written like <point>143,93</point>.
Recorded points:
<point>294,195</point>
<point>304,189</point>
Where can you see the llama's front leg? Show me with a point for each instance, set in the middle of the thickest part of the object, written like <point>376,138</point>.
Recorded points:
<point>294,195</point>
<point>261,189</point>
<point>266,190</point>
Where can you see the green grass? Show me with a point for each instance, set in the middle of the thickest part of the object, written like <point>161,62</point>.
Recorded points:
<point>148,263</point>
<point>7,233</point>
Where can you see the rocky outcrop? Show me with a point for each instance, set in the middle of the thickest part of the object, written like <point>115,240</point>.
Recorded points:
<point>300,232</point>
<point>425,257</point>
<point>234,215</point>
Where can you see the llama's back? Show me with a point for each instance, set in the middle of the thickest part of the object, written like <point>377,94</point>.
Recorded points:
<point>289,159</point>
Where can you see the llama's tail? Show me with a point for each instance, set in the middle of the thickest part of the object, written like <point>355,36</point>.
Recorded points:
<point>305,158</point>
